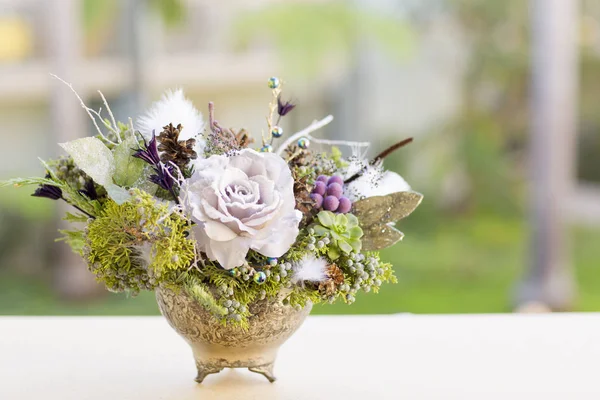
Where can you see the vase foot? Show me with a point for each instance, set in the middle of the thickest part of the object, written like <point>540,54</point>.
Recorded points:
<point>265,370</point>
<point>204,371</point>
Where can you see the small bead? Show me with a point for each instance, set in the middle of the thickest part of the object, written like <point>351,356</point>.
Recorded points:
<point>320,188</point>
<point>272,261</point>
<point>310,247</point>
<point>345,205</point>
<point>283,273</point>
<point>227,303</point>
<point>303,143</point>
<point>267,148</point>
<point>331,203</point>
<point>335,179</point>
<point>335,189</point>
<point>273,82</point>
<point>320,244</point>
<point>260,277</point>
<point>277,131</point>
<point>318,199</point>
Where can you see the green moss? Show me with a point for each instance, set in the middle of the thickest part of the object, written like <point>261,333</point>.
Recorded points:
<point>202,294</point>
<point>138,244</point>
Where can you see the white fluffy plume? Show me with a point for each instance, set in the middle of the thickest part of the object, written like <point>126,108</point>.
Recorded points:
<point>310,269</point>
<point>173,108</point>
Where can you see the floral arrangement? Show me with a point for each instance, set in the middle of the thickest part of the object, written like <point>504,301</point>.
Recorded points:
<point>169,201</point>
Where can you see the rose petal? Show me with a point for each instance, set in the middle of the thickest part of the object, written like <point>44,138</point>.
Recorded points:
<point>266,189</point>
<point>218,231</point>
<point>283,235</point>
<point>251,162</point>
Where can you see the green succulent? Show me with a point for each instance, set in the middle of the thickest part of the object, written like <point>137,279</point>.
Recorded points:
<point>342,230</point>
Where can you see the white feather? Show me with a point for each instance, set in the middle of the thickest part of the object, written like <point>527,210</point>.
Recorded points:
<point>173,108</point>
<point>309,269</point>
<point>374,181</point>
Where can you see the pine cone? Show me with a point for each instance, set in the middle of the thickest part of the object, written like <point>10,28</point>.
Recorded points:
<point>327,287</point>
<point>178,151</point>
<point>335,278</point>
<point>301,157</point>
<point>302,191</point>
<point>335,274</point>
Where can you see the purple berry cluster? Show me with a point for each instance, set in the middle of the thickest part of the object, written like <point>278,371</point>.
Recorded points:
<point>328,194</point>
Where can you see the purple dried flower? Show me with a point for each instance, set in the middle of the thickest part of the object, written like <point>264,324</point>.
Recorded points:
<point>335,189</point>
<point>345,205</point>
<point>48,192</point>
<point>318,199</point>
<point>164,173</point>
<point>149,152</point>
<point>284,108</point>
<point>89,190</point>
<point>331,203</point>
<point>319,188</point>
<point>164,176</point>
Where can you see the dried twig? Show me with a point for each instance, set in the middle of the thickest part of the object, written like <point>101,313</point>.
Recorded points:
<point>306,133</point>
<point>89,111</point>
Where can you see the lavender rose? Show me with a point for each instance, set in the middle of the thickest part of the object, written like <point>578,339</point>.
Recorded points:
<point>242,202</point>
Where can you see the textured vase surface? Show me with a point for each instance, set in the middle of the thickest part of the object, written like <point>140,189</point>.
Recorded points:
<point>217,346</point>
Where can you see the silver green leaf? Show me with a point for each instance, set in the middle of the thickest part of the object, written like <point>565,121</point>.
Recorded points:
<point>128,169</point>
<point>95,159</point>
<point>377,215</point>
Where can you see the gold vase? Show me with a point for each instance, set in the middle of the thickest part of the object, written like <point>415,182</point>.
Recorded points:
<point>216,346</point>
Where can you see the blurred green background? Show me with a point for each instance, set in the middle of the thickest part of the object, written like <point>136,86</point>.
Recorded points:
<point>455,74</point>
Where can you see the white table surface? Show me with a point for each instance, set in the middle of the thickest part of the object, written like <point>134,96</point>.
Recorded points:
<point>368,357</point>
